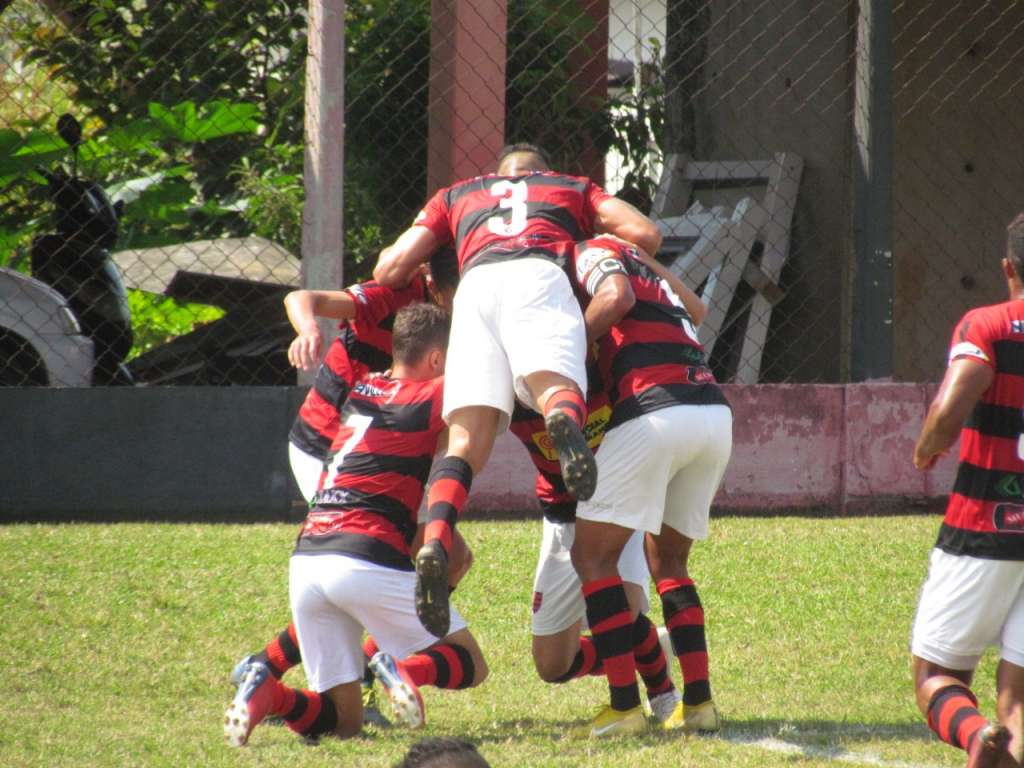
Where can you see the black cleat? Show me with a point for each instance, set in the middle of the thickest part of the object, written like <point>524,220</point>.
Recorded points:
<point>989,746</point>
<point>432,588</point>
<point>579,468</point>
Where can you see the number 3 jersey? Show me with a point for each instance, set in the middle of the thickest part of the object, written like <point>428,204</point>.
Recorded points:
<point>496,218</point>
<point>651,358</point>
<point>373,482</point>
<point>985,515</point>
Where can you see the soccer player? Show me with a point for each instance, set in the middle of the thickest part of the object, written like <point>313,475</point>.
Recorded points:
<point>351,568</point>
<point>516,327</point>
<point>560,652</point>
<point>663,456</point>
<point>974,594</point>
<point>367,311</point>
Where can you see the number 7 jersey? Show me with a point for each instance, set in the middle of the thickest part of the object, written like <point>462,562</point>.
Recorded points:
<point>373,483</point>
<point>496,218</point>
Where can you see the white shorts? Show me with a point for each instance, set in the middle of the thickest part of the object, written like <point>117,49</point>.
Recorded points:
<point>663,466</point>
<point>307,469</point>
<point>966,605</point>
<point>557,594</point>
<point>335,597</point>
<point>511,319</point>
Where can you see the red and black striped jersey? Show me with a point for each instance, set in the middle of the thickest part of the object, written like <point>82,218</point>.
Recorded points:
<point>556,503</point>
<point>363,345</point>
<point>371,491</point>
<point>651,358</point>
<point>496,218</point>
<point>985,515</point>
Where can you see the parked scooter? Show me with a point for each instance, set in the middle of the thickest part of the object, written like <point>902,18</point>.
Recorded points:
<point>76,261</point>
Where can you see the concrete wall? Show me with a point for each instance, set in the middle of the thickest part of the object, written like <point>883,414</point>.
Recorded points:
<point>958,167</point>
<point>217,453</point>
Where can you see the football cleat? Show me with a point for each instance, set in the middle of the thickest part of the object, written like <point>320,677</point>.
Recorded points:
<point>989,747</point>
<point>612,722</point>
<point>403,694</point>
<point>253,701</point>
<point>432,589</point>
<point>239,671</point>
<point>663,706</point>
<point>700,718</point>
<point>371,708</point>
<point>579,468</point>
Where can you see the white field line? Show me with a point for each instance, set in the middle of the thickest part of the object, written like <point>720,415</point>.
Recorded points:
<point>834,754</point>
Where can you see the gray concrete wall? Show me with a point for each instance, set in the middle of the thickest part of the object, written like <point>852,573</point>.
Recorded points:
<point>170,453</point>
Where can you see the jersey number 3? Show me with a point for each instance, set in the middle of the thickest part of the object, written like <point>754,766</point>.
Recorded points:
<point>513,196</point>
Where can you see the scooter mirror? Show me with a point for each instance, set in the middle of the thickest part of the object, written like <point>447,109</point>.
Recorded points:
<point>69,129</point>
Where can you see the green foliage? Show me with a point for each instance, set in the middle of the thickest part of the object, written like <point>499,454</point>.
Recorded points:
<point>157,319</point>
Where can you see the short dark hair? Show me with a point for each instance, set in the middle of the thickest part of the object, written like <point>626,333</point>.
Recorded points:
<point>419,328</point>
<point>444,268</point>
<point>523,148</point>
<point>443,753</point>
<point>1015,244</point>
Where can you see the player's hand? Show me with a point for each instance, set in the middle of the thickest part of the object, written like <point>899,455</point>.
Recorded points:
<point>304,351</point>
<point>924,463</point>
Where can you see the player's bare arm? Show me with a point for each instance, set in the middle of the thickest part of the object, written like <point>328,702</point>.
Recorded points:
<point>613,298</point>
<point>400,260</point>
<point>303,308</point>
<point>617,217</point>
<point>965,382</point>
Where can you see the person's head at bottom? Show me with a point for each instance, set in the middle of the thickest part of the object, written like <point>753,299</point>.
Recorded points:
<point>443,753</point>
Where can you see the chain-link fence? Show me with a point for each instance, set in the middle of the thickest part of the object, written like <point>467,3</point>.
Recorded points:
<point>753,131</point>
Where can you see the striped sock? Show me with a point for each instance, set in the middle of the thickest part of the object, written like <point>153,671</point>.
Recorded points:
<point>449,486</point>
<point>570,402</point>
<point>953,715</point>
<point>443,665</point>
<point>586,662</point>
<point>650,659</point>
<point>612,629</point>
<point>306,712</point>
<point>281,653</point>
<point>684,619</point>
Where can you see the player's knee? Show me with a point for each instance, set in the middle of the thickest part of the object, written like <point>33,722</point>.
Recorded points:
<point>549,668</point>
<point>480,670</point>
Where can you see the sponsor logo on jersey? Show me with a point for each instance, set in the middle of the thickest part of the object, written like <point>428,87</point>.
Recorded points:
<point>1017,326</point>
<point>538,600</point>
<point>332,496</point>
<point>1009,487</point>
<point>593,431</point>
<point>1008,518</point>
<point>358,293</point>
<point>364,388</point>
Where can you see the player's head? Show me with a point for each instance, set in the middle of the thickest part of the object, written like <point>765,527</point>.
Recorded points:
<point>443,277</point>
<point>1013,264</point>
<point>419,340</point>
<point>443,753</point>
<point>521,159</point>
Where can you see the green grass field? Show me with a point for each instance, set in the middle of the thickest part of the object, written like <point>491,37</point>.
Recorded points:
<point>118,641</point>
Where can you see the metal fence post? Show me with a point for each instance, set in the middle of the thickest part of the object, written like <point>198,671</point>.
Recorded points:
<point>872,320</point>
<point>322,224</point>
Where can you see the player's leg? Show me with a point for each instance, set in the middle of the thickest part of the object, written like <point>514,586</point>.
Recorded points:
<point>965,606</point>
<point>542,332</point>
<point>1010,704</point>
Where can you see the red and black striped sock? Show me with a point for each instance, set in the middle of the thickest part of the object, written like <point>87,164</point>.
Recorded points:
<point>570,402</point>
<point>449,486</point>
<point>586,662</point>
<point>281,653</point>
<point>306,712</point>
<point>650,659</point>
<point>443,665</point>
<point>953,715</point>
<point>684,619</point>
<point>611,626</point>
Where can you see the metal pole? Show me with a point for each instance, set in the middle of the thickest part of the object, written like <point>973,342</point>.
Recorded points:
<point>322,226</point>
<point>872,321</point>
